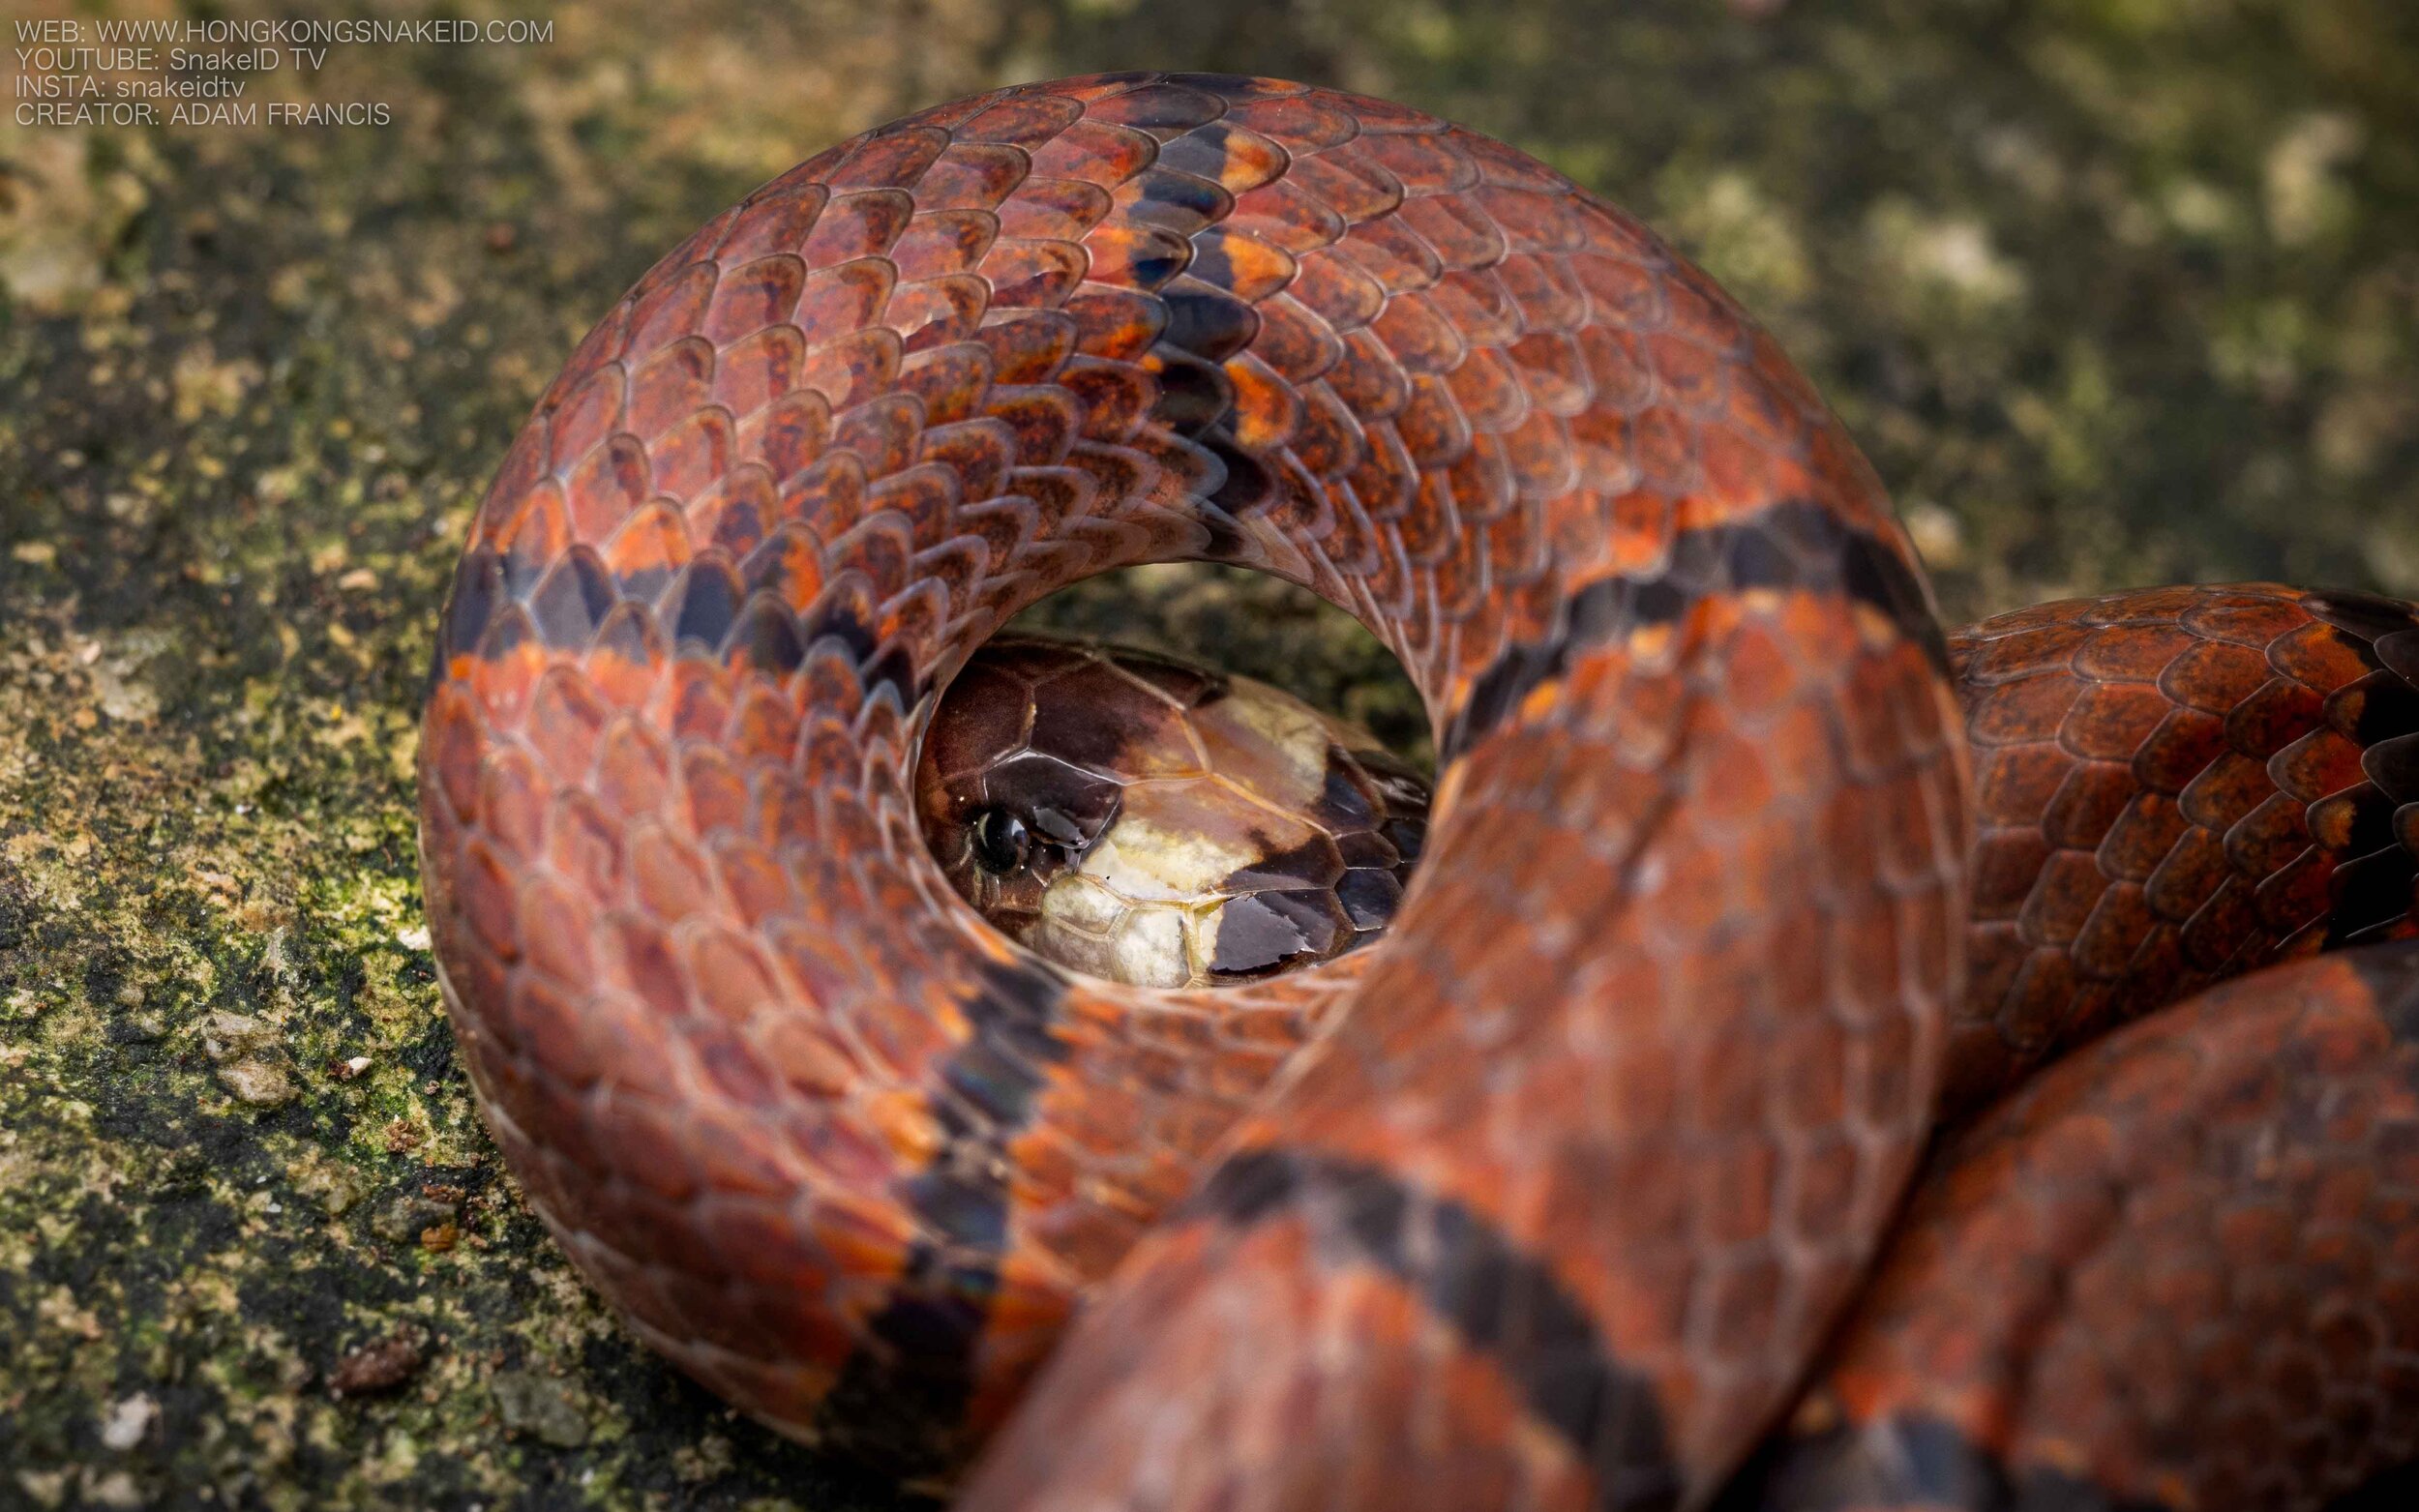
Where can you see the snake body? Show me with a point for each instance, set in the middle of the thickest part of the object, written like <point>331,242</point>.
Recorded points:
<point>1554,1197</point>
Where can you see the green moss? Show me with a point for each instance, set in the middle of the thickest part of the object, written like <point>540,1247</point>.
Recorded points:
<point>2111,291</point>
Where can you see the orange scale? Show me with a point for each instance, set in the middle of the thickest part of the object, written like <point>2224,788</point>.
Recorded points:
<point>1479,306</point>
<point>764,728</point>
<point>1356,189</point>
<point>1057,494</point>
<point>559,923</point>
<point>956,566</point>
<point>1389,582</point>
<point>1119,324</point>
<point>1387,480</point>
<point>1600,442</point>
<point>1249,270</point>
<point>698,695</point>
<point>1043,418</point>
<point>2317,765</point>
<point>512,804</point>
<point>1058,210</point>
<point>649,547</point>
<point>453,746</point>
<point>1620,371</point>
<point>893,159</point>
<point>942,242</point>
<point>1425,162</point>
<point>1429,528</point>
<point>836,299</point>
<point>693,453</point>
<point>2245,619</point>
<point>877,550</point>
<point>1700,312</point>
<point>1027,346</point>
<point>1538,451</point>
<point>2297,892</point>
<point>1353,546</point>
<point>857,225</point>
<point>633,773</point>
<point>758,370</point>
<point>1456,234</point>
<point>1662,448</point>
<point>549,1026</point>
<point>1285,217</point>
<point>1335,288</point>
<point>1267,410</point>
<point>1620,293</point>
<point>882,433</point>
<point>828,681</point>
<point>971,176</point>
<point>978,452</point>
<point>669,312</point>
<point>1532,221</point>
<point>1391,253</point>
<point>1232,156</point>
<point>1327,441</point>
<point>536,530</point>
<point>2319,656</point>
<point>1419,336</point>
<point>1129,255</point>
<point>717,795</point>
<point>1737,472</point>
<point>732,982</point>
<point>505,672</point>
<point>584,846</point>
<point>1692,377</point>
<point>854,367</point>
<point>937,311</point>
<point>827,493</point>
<point>1296,123</point>
<point>605,487</point>
<point>1096,152</point>
<point>1114,398</point>
<point>913,618</point>
<point>923,496</point>
<point>1033,275</point>
<point>624,658</point>
<point>1295,341</point>
<point>1552,371</point>
<point>596,351</point>
<point>1488,389</point>
<point>484,897</point>
<point>754,296</point>
<point>948,384</point>
<point>586,416</point>
<point>565,717</point>
<point>1544,292</point>
<point>669,387</point>
<point>1161,107</point>
<point>776,219</point>
<point>2214,676</point>
<point>1028,120</point>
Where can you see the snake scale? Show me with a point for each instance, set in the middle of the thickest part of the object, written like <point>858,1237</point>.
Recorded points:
<point>1586,1187</point>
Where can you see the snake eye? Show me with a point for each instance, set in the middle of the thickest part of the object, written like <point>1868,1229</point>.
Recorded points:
<point>1001,842</point>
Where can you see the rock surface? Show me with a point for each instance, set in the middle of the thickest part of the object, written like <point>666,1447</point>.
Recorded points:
<point>2112,289</point>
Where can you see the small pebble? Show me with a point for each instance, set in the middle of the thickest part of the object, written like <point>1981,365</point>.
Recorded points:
<point>378,1366</point>
<point>539,1407</point>
<point>127,1421</point>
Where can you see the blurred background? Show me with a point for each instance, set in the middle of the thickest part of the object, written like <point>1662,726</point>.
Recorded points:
<point>2112,292</point>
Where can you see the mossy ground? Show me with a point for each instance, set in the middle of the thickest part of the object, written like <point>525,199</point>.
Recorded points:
<point>2114,290</point>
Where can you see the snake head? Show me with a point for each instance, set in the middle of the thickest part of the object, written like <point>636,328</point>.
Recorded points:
<point>1148,820</point>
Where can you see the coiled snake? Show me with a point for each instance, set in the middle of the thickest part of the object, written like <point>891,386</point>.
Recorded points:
<point>1562,1194</point>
